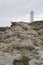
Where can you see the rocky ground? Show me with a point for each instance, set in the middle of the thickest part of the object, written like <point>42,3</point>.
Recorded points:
<point>19,40</point>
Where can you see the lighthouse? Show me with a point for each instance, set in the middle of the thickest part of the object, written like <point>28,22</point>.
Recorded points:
<point>31,16</point>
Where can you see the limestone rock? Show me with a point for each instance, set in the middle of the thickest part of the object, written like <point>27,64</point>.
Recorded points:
<point>6,59</point>
<point>35,62</point>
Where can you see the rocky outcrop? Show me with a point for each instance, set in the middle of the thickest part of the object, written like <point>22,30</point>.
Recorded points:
<point>21,39</point>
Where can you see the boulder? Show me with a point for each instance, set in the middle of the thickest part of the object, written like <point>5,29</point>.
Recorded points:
<point>6,58</point>
<point>35,62</point>
<point>40,32</point>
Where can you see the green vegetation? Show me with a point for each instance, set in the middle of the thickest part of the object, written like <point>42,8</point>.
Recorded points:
<point>24,59</point>
<point>36,25</point>
<point>3,28</point>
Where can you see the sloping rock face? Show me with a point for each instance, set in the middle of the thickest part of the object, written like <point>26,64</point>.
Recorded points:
<point>23,39</point>
<point>6,59</point>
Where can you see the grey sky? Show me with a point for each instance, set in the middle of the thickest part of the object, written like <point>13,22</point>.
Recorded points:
<point>11,10</point>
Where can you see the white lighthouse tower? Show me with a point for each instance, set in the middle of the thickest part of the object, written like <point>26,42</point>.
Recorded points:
<point>31,16</point>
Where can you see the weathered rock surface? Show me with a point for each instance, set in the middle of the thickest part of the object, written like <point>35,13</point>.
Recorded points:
<point>21,38</point>
<point>36,62</point>
<point>6,58</point>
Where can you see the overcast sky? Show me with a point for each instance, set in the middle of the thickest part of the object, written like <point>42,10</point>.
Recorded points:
<point>19,10</point>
